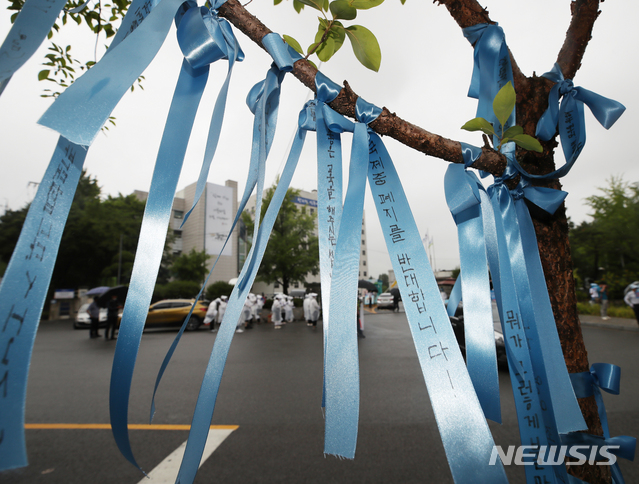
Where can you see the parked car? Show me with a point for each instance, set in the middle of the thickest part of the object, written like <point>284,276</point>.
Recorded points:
<point>457,322</point>
<point>172,312</point>
<point>83,321</point>
<point>385,301</point>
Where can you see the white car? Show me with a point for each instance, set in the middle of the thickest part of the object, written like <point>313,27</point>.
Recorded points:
<point>82,320</point>
<point>385,300</point>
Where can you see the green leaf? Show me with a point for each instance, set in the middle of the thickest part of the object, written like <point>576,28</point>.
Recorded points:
<point>527,142</point>
<point>364,4</point>
<point>325,51</point>
<point>316,4</point>
<point>42,75</point>
<point>504,103</point>
<point>293,43</point>
<point>365,46</point>
<point>479,124</point>
<point>342,10</point>
<point>513,131</point>
<point>298,6</point>
<point>277,2</point>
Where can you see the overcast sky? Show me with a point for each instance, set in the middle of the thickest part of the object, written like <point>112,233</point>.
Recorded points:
<point>424,78</point>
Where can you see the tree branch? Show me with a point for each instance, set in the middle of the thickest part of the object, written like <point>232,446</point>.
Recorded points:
<point>579,33</point>
<point>388,124</point>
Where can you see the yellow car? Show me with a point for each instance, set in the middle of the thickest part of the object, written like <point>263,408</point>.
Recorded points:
<point>172,312</point>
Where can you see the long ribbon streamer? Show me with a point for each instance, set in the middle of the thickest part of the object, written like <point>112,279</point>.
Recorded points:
<point>460,419</point>
<point>27,33</point>
<point>24,289</point>
<point>211,383</point>
<point>342,364</point>
<point>464,202</point>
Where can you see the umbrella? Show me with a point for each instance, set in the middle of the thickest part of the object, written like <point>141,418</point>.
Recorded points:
<point>119,291</point>
<point>394,291</point>
<point>96,291</point>
<point>631,287</point>
<point>364,284</point>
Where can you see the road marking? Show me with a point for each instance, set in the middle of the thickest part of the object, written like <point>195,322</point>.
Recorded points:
<point>167,470</point>
<point>50,426</point>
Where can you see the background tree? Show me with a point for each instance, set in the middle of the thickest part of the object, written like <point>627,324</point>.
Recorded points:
<point>293,248</point>
<point>606,247</point>
<point>191,266</point>
<point>217,289</point>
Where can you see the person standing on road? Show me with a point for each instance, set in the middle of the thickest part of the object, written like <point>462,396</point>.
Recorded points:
<point>306,306</point>
<point>113,308</point>
<point>313,309</point>
<point>603,297</point>
<point>632,299</point>
<point>276,312</point>
<point>94,315</point>
<point>211,313</point>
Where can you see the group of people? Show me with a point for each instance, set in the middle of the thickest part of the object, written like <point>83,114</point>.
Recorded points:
<point>282,310</point>
<point>113,308</point>
<point>599,295</point>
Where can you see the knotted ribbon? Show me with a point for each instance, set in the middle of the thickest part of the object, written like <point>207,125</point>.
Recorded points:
<point>199,50</point>
<point>569,116</point>
<point>262,135</point>
<point>464,202</point>
<point>458,413</point>
<point>491,70</point>
<point>342,365</point>
<point>606,377</point>
<point>205,405</point>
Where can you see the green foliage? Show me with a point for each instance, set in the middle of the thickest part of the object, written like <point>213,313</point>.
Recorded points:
<point>606,247</point>
<point>503,106</point>
<point>293,249</point>
<point>89,248</point>
<point>331,33</point>
<point>191,266</point>
<point>613,310</point>
<point>217,289</point>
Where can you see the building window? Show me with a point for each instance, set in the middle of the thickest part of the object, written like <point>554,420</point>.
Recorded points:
<point>276,285</point>
<point>363,242</point>
<point>312,211</point>
<point>362,231</point>
<point>178,214</point>
<point>364,273</point>
<point>363,252</point>
<point>364,262</point>
<point>178,234</point>
<point>296,285</point>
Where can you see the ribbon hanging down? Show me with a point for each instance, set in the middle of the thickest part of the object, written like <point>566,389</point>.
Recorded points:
<point>342,364</point>
<point>263,102</point>
<point>460,419</point>
<point>188,92</point>
<point>24,289</point>
<point>205,405</point>
<point>569,117</point>
<point>329,197</point>
<point>464,202</point>
<point>27,33</point>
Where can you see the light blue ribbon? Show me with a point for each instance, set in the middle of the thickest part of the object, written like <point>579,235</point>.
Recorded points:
<point>491,70</point>
<point>216,34</point>
<point>81,110</point>
<point>24,289</point>
<point>27,33</point>
<point>460,419</point>
<point>569,115</point>
<point>526,383</point>
<point>188,92</point>
<point>213,375</point>
<point>606,377</point>
<point>329,198</point>
<point>263,110</point>
<point>464,202</point>
<point>342,365</point>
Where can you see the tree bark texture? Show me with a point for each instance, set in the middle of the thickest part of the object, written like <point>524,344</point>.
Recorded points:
<point>532,101</point>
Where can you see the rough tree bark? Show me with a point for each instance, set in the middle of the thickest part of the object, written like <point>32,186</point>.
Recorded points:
<point>532,101</point>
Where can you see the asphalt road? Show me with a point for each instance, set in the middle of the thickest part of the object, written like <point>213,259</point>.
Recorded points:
<point>272,390</point>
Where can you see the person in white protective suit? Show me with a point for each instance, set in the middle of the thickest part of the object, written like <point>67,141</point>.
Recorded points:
<point>252,301</point>
<point>221,310</point>
<point>276,312</point>
<point>306,306</point>
<point>288,309</point>
<point>260,305</point>
<point>211,313</point>
<point>313,309</point>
